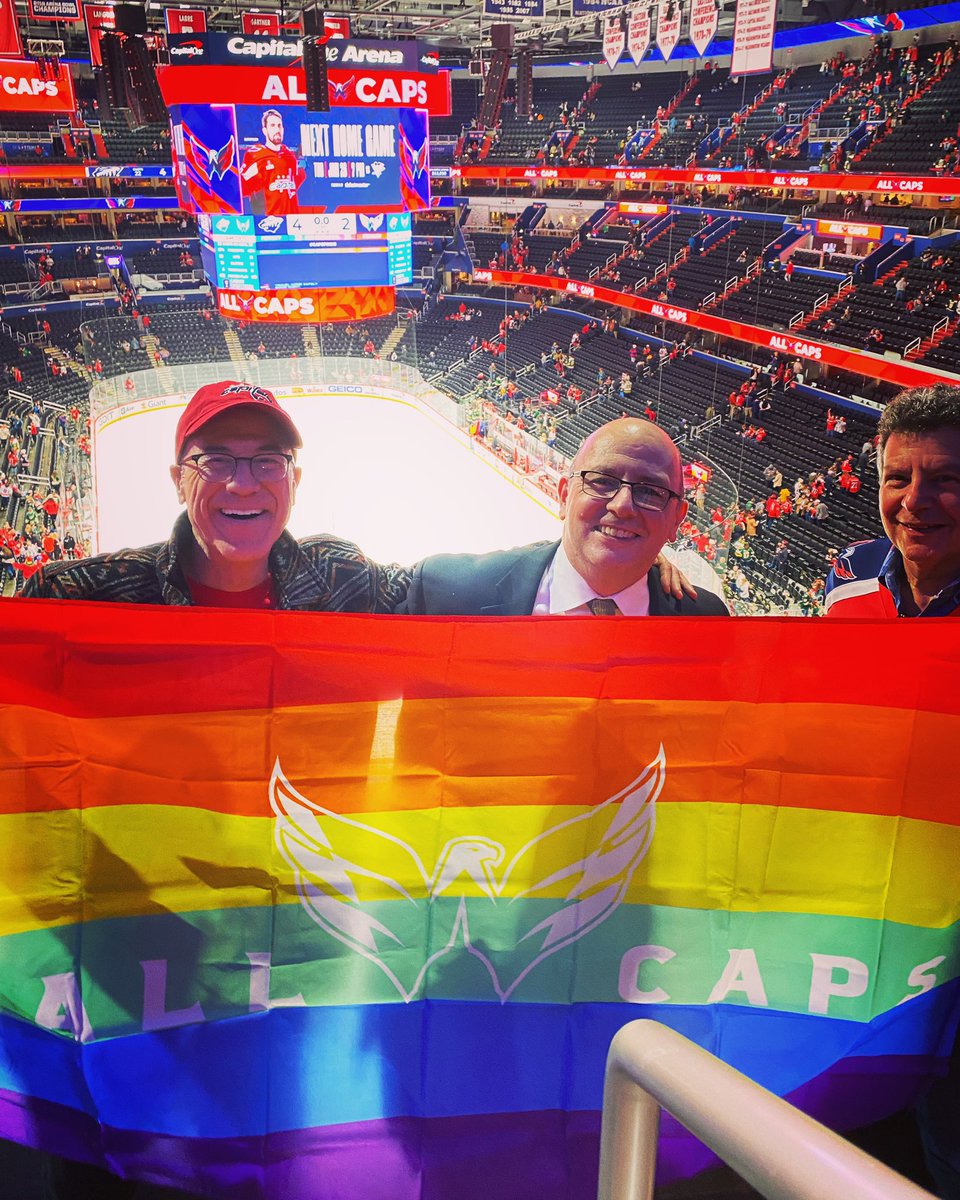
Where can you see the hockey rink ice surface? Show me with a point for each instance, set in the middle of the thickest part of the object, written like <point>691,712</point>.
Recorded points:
<point>378,472</point>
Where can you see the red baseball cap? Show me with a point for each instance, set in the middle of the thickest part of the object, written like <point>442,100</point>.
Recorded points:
<point>216,398</point>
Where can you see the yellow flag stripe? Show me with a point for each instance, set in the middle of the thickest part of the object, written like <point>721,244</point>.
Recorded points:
<point>138,859</point>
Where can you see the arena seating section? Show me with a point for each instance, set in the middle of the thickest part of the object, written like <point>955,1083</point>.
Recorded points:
<point>711,251</point>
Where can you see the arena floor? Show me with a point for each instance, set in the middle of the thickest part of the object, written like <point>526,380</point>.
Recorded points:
<point>376,471</point>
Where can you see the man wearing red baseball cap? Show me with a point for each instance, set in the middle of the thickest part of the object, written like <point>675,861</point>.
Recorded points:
<point>235,470</point>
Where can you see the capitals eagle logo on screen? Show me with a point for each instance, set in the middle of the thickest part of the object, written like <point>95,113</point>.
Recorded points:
<point>210,151</point>
<point>414,166</point>
<point>342,90</point>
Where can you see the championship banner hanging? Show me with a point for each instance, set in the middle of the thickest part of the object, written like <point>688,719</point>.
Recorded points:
<point>638,33</point>
<point>514,10</point>
<point>54,10</point>
<point>753,37</point>
<point>704,15</point>
<point>10,46</point>
<point>185,20</point>
<point>264,24</point>
<point>614,40</point>
<point>669,16</point>
<point>286,899</point>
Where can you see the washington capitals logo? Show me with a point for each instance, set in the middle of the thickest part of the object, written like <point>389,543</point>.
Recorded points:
<point>353,878</point>
<point>416,160</point>
<point>841,565</point>
<point>218,161</point>
<point>255,393</point>
<point>342,90</point>
<point>212,178</point>
<point>372,223</point>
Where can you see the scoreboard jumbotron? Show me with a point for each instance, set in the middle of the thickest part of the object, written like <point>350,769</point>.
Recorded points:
<point>287,198</point>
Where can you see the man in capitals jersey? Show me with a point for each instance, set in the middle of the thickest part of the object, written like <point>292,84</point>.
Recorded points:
<point>270,173</point>
<point>914,571</point>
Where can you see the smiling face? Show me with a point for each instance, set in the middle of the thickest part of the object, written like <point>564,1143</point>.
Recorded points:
<point>920,505</point>
<point>235,524</point>
<point>612,543</point>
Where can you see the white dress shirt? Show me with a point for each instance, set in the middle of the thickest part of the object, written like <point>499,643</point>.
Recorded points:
<point>563,590</point>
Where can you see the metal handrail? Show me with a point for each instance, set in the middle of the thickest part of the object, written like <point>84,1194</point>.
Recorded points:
<point>777,1149</point>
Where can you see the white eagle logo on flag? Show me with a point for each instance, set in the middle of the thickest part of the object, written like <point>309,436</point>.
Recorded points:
<point>615,836</point>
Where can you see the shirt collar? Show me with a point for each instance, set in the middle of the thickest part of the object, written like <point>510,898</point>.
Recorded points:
<point>567,590</point>
<point>944,604</point>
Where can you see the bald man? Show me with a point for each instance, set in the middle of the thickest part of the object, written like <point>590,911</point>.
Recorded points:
<point>620,505</point>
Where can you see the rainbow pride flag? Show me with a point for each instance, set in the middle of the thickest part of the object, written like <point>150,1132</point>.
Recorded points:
<point>349,908</point>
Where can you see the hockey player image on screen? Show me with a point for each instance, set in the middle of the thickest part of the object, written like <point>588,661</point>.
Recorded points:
<point>270,173</point>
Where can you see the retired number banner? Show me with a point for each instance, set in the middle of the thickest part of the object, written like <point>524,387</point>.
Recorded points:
<point>314,906</point>
<point>99,19</point>
<point>185,20</point>
<point>264,24</point>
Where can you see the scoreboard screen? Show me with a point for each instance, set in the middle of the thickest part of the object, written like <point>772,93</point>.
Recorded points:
<point>343,249</point>
<point>293,204</point>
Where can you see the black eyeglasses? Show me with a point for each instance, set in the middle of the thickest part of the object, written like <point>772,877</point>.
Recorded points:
<point>221,468</point>
<point>652,496</point>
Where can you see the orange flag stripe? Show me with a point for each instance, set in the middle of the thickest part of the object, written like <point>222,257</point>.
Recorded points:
<point>424,754</point>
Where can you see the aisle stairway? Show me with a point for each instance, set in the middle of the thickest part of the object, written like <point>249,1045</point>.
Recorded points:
<point>310,343</point>
<point>237,356</point>
<point>392,340</point>
<point>152,347</point>
<point>68,362</point>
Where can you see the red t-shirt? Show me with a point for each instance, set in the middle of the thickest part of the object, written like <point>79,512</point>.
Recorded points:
<point>261,596</point>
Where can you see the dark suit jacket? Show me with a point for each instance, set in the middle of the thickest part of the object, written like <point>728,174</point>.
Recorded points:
<point>505,583</point>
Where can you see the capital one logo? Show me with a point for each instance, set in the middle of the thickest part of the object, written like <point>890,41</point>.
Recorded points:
<point>333,857</point>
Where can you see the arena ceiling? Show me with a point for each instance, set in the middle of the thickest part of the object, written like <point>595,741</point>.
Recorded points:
<point>459,27</point>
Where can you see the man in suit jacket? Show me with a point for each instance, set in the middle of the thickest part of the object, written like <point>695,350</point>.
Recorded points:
<point>622,502</point>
